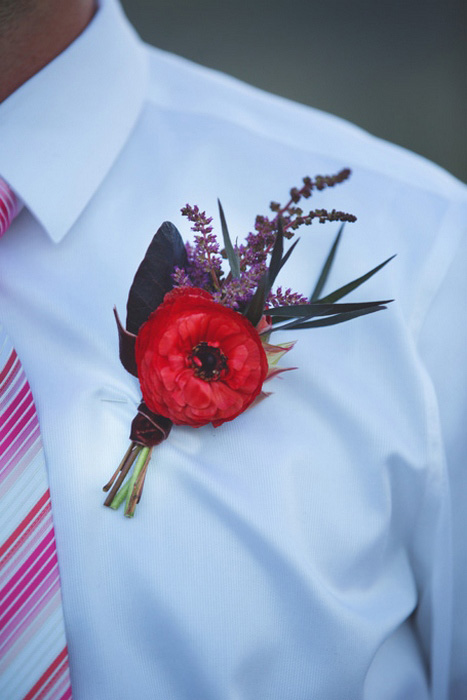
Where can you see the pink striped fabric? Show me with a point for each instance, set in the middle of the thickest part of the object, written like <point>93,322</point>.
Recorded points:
<point>9,206</point>
<point>33,652</point>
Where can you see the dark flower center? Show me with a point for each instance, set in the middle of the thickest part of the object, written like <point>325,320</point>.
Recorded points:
<point>208,361</point>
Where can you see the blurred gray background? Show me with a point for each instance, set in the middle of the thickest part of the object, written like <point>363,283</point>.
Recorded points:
<point>397,68</point>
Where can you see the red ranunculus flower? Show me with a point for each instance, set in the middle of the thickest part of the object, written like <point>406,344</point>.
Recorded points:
<point>199,362</point>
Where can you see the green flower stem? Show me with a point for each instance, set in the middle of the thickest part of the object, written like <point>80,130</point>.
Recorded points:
<point>141,462</point>
<point>120,496</point>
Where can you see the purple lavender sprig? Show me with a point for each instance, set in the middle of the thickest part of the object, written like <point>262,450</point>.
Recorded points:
<point>236,293</point>
<point>204,260</point>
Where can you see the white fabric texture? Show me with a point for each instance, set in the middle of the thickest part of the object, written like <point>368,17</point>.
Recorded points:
<point>304,550</point>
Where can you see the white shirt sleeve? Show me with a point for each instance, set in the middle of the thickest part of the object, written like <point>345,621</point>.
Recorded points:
<point>442,343</point>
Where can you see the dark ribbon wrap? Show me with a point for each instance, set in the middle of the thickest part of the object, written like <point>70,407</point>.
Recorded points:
<point>148,428</point>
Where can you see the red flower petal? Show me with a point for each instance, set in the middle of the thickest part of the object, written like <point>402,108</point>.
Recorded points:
<point>198,361</point>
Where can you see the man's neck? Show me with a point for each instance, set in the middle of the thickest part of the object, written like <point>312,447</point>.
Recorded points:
<point>33,32</point>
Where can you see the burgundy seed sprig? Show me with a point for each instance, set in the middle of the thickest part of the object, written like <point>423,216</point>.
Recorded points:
<point>205,257</point>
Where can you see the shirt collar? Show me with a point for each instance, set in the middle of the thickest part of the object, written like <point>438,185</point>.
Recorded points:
<point>62,130</point>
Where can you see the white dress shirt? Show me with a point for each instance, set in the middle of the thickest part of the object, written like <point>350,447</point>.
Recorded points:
<point>308,548</point>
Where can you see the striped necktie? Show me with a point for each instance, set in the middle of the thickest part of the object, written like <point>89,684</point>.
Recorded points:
<point>33,652</point>
<point>9,206</point>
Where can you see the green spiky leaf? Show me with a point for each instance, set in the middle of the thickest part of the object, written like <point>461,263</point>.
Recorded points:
<point>230,251</point>
<point>329,320</point>
<point>280,313</point>
<point>324,274</point>
<point>255,308</point>
<point>347,288</point>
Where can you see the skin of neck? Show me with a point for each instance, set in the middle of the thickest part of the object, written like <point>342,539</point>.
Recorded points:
<point>33,33</point>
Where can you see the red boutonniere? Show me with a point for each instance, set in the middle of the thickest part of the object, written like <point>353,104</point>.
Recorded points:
<point>199,362</point>
<point>198,338</point>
